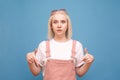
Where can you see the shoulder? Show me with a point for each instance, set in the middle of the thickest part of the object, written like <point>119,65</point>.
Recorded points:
<point>42,44</point>
<point>78,43</point>
<point>79,49</point>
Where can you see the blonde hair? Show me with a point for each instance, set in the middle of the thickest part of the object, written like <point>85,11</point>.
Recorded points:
<point>69,30</point>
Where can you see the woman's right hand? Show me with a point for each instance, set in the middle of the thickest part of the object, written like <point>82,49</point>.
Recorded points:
<point>31,58</point>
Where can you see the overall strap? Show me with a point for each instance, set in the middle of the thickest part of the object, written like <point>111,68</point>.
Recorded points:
<point>47,49</point>
<point>73,49</point>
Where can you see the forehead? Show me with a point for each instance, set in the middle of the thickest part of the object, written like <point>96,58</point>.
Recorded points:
<point>59,16</point>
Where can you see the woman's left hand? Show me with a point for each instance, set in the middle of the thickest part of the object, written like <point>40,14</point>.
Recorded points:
<point>88,58</point>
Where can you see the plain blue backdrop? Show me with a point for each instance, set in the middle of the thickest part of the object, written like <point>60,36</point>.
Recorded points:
<point>96,24</point>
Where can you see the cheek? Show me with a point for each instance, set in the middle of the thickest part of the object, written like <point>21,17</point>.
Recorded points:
<point>65,27</point>
<point>53,28</point>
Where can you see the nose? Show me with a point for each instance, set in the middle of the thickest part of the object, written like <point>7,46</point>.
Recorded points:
<point>59,25</point>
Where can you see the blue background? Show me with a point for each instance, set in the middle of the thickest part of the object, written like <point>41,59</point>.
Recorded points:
<point>23,24</point>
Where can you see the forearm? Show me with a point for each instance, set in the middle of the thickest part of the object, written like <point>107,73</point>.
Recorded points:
<point>83,69</point>
<point>34,69</point>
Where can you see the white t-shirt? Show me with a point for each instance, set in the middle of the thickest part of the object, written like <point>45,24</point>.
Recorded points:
<point>61,51</point>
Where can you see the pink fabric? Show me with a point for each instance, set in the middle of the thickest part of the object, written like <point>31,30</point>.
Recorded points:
<point>73,49</point>
<point>60,69</point>
<point>47,49</point>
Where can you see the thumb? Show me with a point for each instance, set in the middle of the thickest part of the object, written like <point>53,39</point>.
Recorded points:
<point>35,51</point>
<point>85,51</point>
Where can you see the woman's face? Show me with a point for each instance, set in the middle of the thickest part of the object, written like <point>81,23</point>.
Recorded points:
<point>59,25</point>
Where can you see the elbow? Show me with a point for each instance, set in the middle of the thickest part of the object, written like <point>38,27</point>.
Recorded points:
<point>35,74</point>
<point>80,75</point>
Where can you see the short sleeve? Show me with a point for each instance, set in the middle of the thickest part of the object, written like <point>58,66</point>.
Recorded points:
<point>79,54</point>
<point>40,53</point>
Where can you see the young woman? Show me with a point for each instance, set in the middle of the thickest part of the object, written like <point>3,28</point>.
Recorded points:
<point>60,57</point>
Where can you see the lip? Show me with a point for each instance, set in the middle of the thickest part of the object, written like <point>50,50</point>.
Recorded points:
<point>59,30</point>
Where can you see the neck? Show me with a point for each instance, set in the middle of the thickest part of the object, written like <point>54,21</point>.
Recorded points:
<point>60,39</point>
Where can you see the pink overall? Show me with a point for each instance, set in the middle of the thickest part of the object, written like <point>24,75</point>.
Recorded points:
<point>60,69</point>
